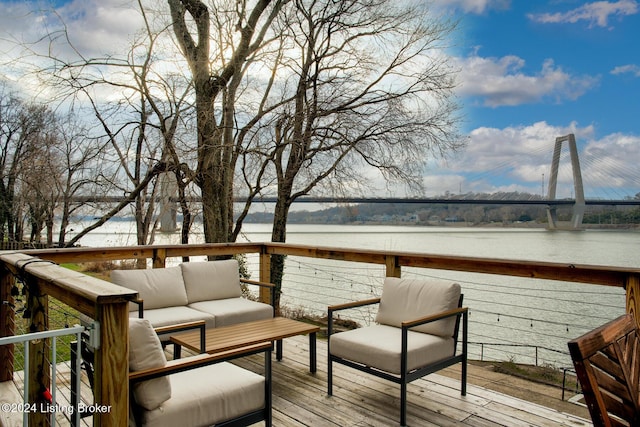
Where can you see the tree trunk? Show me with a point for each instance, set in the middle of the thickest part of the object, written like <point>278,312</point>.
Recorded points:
<point>279,234</point>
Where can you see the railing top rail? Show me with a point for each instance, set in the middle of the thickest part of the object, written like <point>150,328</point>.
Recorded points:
<point>594,274</point>
<point>74,288</point>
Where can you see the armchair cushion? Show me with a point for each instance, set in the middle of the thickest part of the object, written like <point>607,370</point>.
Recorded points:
<point>379,346</point>
<point>209,395</point>
<point>145,352</point>
<point>158,287</point>
<point>409,299</point>
<point>215,280</point>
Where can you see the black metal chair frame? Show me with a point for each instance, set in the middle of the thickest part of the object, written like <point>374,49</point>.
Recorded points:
<point>405,376</point>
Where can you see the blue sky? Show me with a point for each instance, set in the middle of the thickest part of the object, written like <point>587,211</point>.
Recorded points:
<point>534,70</point>
<point>530,71</point>
<point>581,58</point>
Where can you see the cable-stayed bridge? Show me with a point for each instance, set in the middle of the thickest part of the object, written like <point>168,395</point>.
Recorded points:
<point>577,202</point>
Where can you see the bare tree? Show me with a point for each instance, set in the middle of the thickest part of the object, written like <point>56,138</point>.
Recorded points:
<point>24,138</point>
<point>139,128</point>
<point>364,85</point>
<point>217,73</point>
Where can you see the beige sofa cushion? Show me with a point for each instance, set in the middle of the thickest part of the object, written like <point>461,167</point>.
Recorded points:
<point>145,352</point>
<point>230,311</point>
<point>409,299</point>
<point>208,396</point>
<point>157,287</point>
<point>211,280</point>
<point>379,346</point>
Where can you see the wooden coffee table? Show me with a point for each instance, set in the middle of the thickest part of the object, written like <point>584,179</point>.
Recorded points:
<point>246,334</point>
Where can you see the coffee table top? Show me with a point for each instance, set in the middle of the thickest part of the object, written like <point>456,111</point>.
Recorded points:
<point>243,334</point>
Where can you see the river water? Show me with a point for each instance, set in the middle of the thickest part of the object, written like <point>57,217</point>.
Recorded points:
<point>510,317</point>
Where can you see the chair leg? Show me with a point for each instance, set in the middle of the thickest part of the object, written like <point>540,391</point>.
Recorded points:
<point>403,403</point>
<point>329,376</point>
<point>463,387</point>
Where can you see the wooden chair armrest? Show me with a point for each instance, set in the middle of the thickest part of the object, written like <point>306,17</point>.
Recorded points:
<point>345,306</point>
<point>180,365</point>
<point>353,304</point>
<point>179,327</point>
<point>434,317</point>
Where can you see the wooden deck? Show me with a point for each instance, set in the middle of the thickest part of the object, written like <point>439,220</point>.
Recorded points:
<point>300,398</point>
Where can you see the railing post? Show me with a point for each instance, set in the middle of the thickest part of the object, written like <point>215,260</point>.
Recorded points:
<point>393,266</point>
<point>112,365</point>
<point>39,375</point>
<point>632,286</point>
<point>265,274</point>
<point>7,323</point>
<point>159,258</point>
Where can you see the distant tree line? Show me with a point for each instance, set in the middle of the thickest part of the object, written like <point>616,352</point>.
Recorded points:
<point>439,214</point>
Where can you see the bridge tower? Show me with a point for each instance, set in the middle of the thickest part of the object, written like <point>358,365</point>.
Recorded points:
<point>168,210</point>
<point>579,205</point>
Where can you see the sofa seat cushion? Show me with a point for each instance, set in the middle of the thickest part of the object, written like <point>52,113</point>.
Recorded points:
<point>230,311</point>
<point>174,315</point>
<point>211,280</point>
<point>409,299</point>
<point>209,395</point>
<point>157,287</point>
<point>379,346</point>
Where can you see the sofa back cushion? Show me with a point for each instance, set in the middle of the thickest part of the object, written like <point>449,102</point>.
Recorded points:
<point>211,280</point>
<point>410,299</point>
<point>145,352</point>
<point>158,287</point>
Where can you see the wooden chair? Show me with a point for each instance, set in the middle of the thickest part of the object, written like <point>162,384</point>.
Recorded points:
<point>416,334</point>
<point>607,362</point>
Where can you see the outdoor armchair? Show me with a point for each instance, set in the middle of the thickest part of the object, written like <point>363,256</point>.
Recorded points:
<point>607,362</point>
<point>416,334</point>
<point>194,391</point>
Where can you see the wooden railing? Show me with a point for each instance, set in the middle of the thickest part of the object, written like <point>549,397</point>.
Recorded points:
<point>107,303</point>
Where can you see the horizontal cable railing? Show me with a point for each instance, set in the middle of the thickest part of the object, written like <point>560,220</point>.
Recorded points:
<point>520,314</point>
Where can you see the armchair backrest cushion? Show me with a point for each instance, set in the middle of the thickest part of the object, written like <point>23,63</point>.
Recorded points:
<point>158,287</point>
<point>145,352</point>
<point>410,299</point>
<point>211,280</point>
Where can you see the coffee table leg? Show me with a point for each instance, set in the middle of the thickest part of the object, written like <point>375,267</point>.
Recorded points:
<point>279,350</point>
<point>177,351</point>
<point>312,352</point>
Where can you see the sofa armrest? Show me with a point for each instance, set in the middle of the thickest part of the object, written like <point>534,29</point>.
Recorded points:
<point>140,303</point>
<point>267,285</point>
<point>180,365</point>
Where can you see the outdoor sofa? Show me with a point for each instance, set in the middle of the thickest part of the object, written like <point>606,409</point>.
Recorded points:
<point>193,291</point>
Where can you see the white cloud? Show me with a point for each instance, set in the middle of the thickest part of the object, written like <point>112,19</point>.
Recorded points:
<point>518,158</point>
<point>623,69</point>
<point>501,81</point>
<point>595,13</point>
<point>473,6</point>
